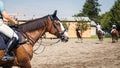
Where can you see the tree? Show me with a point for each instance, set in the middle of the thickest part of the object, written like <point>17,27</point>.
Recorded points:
<point>112,17</point>
<point>115,14</point>
<point>82,24</point>
<point>90,9</point>
<point>105,21</point>
<point>65,25</point>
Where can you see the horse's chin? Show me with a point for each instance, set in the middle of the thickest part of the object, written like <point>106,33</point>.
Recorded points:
<point>65,39</point>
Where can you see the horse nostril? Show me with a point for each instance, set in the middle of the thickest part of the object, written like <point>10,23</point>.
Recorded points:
<point>66,39</point>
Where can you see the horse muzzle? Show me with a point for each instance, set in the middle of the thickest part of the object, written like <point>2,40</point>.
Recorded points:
<point>64,39</point>
<point>63,36</point>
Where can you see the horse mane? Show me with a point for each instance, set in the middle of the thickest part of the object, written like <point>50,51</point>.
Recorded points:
<point>32,25</point>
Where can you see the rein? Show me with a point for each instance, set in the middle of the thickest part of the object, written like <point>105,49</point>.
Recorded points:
<point>29,38</point>
<point>33,41</point>
<point>40,43</point>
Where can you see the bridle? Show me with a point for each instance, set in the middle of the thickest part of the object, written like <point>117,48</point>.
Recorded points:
<point>59,33</point>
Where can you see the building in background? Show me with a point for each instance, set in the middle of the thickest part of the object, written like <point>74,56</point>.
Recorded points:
<point>70,21</point>
<point>73,22</point>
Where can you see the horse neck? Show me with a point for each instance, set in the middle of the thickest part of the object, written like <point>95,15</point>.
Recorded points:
<point>35,35</point>
<point>49,27</point>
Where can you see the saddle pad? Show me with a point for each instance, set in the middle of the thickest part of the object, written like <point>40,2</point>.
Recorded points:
<point>2,42</point>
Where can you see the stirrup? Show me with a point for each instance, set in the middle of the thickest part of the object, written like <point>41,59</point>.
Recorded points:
<point>8,58</point>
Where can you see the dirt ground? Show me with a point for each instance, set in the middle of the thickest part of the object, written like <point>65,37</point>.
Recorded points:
<point>74,54</point>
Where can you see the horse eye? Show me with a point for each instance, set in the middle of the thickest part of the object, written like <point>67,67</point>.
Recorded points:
<point>58,23</point>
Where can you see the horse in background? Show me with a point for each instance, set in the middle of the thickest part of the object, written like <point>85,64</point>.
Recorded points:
<point>100,34</point>
<point>115,35</point>
<point>79,34</point>
<point>33,30</point>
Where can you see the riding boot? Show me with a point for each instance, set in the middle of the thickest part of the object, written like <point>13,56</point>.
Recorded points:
<point>11,44</point>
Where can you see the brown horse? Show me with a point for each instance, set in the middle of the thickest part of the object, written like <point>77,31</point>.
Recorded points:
<point>100,35</point>
<point>79,34</point>
<point>33,30</point>
<point>115,35</point>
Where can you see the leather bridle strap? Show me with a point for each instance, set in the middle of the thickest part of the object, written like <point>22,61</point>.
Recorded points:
<point>31,40</point>
<point>54,23</point>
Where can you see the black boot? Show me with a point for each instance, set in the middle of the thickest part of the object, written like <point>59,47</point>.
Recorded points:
<point>11,44</point>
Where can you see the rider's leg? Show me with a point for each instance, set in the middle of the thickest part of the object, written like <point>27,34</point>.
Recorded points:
<point>8,31</point>
<point>12,42</point>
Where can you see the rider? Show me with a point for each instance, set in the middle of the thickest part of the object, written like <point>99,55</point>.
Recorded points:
<point>113,27</point>
<point>99,28</point>
<point>78,29</point>
<point>6,30</point>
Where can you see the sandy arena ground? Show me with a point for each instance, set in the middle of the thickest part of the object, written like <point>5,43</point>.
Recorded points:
<point>74,54</point>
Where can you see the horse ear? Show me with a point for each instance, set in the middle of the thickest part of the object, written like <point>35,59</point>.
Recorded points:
<point>55,13</point>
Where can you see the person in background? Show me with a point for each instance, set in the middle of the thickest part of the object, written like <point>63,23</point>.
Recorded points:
<point>99,28</point>
<point>113,27</point>
<point>6,30</point>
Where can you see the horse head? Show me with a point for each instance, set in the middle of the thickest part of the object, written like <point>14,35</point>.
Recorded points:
<point>57,28</point>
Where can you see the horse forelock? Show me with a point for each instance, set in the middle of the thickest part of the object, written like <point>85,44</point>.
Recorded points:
<point>33,24</point>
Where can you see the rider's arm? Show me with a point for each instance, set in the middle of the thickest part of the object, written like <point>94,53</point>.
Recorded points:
<point>6,16</point>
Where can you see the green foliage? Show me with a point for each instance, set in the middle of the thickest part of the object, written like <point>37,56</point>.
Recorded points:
<point>115,14</point>
<point>111,17</point>
<point>94,37</point>
<point>105,21</point>
<point>90,9</point>
<point>107,35</point>
<point>65,25</point>
<point>82,24</point>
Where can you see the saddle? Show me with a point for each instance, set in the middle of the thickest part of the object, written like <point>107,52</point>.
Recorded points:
<point>4,39</point>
